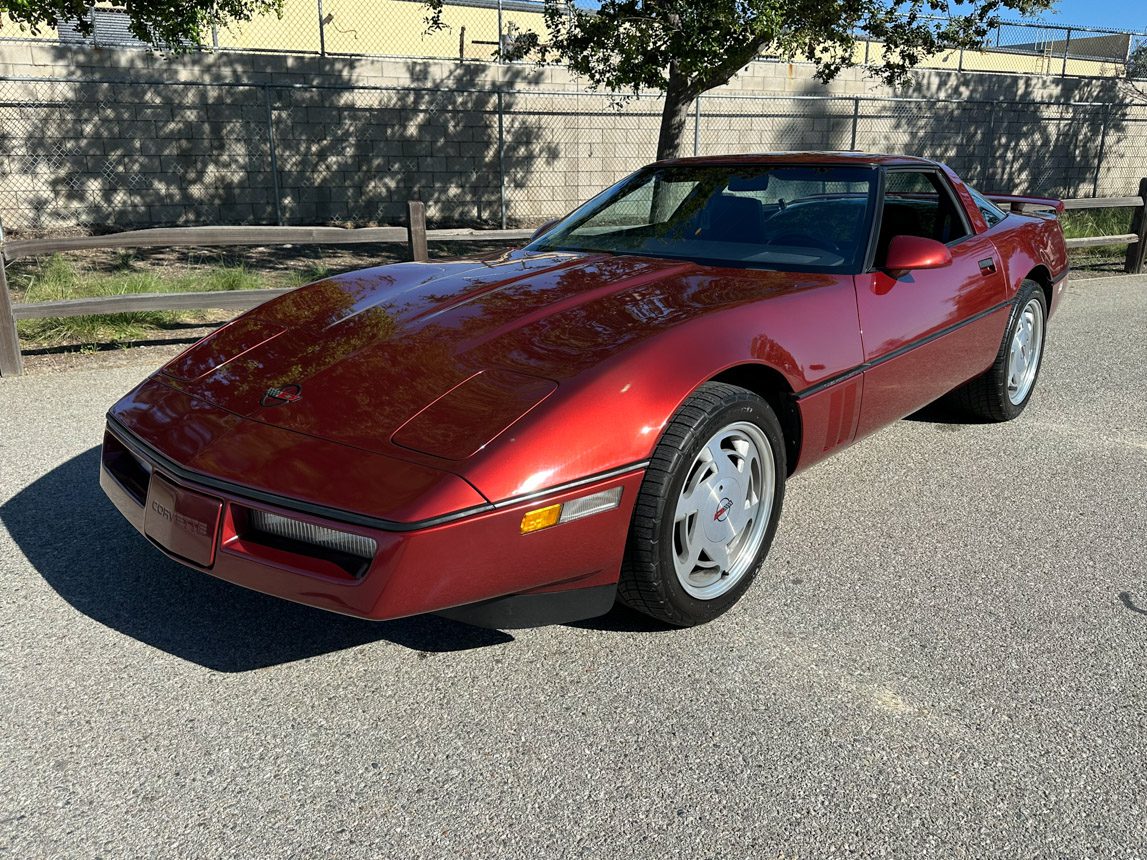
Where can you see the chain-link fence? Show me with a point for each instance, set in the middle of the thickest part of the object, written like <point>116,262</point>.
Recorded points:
<point>473,30</point>
<point>82,153</point>
<point>1036,48</point>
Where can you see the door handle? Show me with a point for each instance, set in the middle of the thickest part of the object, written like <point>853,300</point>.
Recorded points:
<point>987,267</point>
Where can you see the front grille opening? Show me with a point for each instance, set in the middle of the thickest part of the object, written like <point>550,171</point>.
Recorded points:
<point>348,552</point>
<point>132,474</point>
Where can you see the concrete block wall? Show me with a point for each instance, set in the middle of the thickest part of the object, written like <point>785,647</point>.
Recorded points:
<point>90,137</point>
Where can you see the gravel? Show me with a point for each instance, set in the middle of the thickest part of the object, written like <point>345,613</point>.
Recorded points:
<point>944,657</point>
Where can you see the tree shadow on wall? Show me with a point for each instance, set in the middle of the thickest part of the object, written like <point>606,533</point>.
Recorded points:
<point>106,155</point>
<point>1001,133</point>
<point>444,141</point>
<point>1016,133</point>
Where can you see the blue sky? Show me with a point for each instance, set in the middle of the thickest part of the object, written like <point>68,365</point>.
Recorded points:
<point>1121,14</point>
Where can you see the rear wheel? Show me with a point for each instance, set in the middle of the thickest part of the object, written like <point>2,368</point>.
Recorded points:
<point>1001,393</point>
<point>707,509</point>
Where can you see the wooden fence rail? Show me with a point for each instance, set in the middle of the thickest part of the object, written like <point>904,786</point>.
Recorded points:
<point>415,236</point>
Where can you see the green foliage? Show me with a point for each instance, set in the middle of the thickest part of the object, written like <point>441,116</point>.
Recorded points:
<point>1137,63</point>
<point>684,48</point>
<point>166,24</point>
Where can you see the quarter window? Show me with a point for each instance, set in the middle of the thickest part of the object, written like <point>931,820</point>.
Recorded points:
<point>992,213</point>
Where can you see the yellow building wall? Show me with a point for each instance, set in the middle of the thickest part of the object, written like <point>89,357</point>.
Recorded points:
<point>11,30</point>
<point>397,28</point>
<point>391,28</point>
<point>1007,62</point>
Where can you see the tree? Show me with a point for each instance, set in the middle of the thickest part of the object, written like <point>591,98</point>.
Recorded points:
<point>1135,82</point>
<point>683,48</point>
<point>177,25</point>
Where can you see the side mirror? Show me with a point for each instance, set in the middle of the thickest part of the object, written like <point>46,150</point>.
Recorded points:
<point>544,228</point>
<point>906,253</point>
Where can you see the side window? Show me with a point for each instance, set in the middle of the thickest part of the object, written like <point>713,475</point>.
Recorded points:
<point>918,203</point>
<point>992,213</point>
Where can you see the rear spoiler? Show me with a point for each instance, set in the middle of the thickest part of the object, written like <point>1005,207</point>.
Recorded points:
<point>1018,202</point>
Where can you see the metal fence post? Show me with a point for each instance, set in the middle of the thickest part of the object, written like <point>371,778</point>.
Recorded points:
<point>855,121</point>
<point>989,151</point>
<point>11,364</point>
<point>502,156</point>
<point>697,126</point>
<point>1066,47</point>
<point>274,156</point>
<point>416,230</point>
<point>322,31</point>
<point>1136,252</point>
<point>501,32</point>
<point>1102,146</point>
<point>214,36</point>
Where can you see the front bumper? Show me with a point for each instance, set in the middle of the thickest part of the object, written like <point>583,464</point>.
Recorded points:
<point>471,560</point>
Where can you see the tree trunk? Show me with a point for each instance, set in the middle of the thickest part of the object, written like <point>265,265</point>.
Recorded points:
<point>678,97</point>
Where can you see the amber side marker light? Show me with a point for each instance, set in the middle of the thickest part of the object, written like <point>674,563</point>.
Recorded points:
<point>575,509</point>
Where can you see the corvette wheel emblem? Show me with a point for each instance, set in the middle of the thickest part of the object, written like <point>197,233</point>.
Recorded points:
<point>723,509</point>
<point>281,396</point>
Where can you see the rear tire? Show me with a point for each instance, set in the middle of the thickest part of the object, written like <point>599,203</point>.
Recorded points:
<point>1003,391</point>
<point>708,507</point>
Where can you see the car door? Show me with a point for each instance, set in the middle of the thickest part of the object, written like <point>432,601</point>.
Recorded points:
<point>926,331</point>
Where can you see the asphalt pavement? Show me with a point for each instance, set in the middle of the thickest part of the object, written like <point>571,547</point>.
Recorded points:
<point>945,656</point>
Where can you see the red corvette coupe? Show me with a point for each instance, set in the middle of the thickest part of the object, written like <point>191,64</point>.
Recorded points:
<point>610,412</point>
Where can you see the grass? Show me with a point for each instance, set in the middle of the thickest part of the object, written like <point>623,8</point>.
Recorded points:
<point>313,270</point>
<point>57,278</point>
<point>1078,223</point>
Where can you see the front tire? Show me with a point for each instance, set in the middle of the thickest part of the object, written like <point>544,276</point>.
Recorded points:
<point>1002,392</point>
<point>708,508</point>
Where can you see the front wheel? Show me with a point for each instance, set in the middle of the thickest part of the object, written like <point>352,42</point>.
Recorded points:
<point>707,509</point>
<point>1001,393</point>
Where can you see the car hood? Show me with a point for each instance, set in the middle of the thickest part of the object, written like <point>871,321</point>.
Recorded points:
<point>440,358</point>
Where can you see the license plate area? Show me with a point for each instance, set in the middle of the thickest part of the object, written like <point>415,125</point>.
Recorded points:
<point>183,522</point>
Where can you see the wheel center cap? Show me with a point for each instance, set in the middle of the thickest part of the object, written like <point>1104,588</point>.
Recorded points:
<point>722,512</point>
<point>723,495</point>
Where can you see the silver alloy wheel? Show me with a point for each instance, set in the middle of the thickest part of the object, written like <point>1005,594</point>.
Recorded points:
<point>723,510</point>
<point>1024,352</point>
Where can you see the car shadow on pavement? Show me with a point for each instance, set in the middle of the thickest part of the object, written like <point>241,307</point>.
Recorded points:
<point>74,537</point>
<point>946,413</point>
<point>1129,602</point>
<point>622,619</point>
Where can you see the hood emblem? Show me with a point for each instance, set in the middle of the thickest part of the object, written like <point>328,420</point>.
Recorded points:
<point>283,395</point>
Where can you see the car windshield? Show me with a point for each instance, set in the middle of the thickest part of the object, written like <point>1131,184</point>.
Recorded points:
<point>799,218</point>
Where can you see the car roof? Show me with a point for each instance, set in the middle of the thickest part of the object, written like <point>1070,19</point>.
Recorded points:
<point>839,158</point>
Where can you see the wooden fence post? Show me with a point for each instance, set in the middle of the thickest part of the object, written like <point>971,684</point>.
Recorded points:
<point>1137,252</point>
<point>416,230</point>
<point>11,364</point>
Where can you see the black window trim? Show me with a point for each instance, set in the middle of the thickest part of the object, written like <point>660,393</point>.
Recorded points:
<point>945,183</point>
